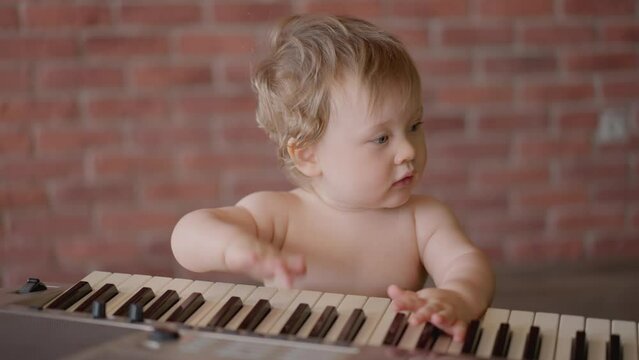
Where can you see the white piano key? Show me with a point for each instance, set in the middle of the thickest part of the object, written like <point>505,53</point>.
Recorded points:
<point>197,286</point>
<point>93,279</point>
<point>115,279</point>
<point>374,309</point>
<point>176,285</point>
<point>490,325</point>
<point>327,299</point>
<point>520,323</point>
<point>455,347</point>
<point>344,310</point>
<point>597,335</point>
<point>279,303</point>
<point>568,327</point>
<point>156,284</point>
<point>126,289</point>
<point>304,297</point>
<point>442,344</point>
<point>377,338</point>
<point>212,297</point>
<point>548,324</point>
<point>242,291</point>
<point>411,336</point>
<point>258,294</point>
<point>627,332</point>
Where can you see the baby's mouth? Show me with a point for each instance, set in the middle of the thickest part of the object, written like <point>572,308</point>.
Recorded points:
<point>406,180</point>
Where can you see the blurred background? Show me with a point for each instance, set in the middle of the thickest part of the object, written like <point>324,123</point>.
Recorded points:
<point>118,117</point>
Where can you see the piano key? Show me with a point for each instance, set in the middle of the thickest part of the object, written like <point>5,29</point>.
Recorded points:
<point>374,309</point>
<point>186,308</point>
<point>296,320</point>
<point>379,333</point>
<point>324,323</point>
<point>628,336</point>
<point>473,334</point>
<point>304,297</point>
<point>241,291</point>
<point>351,327</point>
<point>548,324</point>
<point>520,323</point>
<point>489,326</point>
<point>77,291</point>
<point>502,340</point>
<point>442,344</point>
<point>279,303</point>
<point>533,344</point>
<point>327,299</point>
<point>613,348</point>
<point>142,297</point>
<point>579,346</point>
<point>103,295</point>
<point>411,336</point>
<point>255,316</point>
<point>114,278</point>
<point>156,284</point>
<point>396,329</point>
<point>258,294</point>
<point>177,285</point>
<point>212,297</point>
<point>225,313</point>
<point>568,327</point>
<point>597,335</point>
<point>125,290</point>
<point>163,303</point>
<point>428,337</point>
<point>455,347</point>
<point>196,287</point>
<point>344,311</point>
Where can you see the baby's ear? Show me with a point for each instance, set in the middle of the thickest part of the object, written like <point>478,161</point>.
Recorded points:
<point>304,158</point>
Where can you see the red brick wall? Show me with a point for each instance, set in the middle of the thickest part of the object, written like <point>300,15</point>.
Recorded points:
<point>116,118</point>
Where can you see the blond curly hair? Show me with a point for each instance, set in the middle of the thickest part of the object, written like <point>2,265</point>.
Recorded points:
<point>309,55</point>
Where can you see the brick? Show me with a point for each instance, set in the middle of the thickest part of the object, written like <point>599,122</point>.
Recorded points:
<point>246,181</point>
<point>172,137</point>
<point>80,249</point>
<point>542,147</point>
<point>360,8</point>
<point>472,94</point>
<point>554,35</point>
<point>434,123</point>
<point>216,104</point>
<point>475,35</point>
<point>599,8</point>
<point>22,196</point>
<point>82,193</point>
<point>161,14</point>
<point>9,18</point>
<point>15,143</point>
<point>502,176</point>
<point>616,244</point>
<point>251,11</point>
<point>128,108</point>
<point>74,140</point>
<point>132,164</point>
<point>611,61</point>
<point>37,48</point>
<point>559,92</point>
<point>590,219</point>
<point>550,197</point>
<point>119,220</point>
<point>545,248</point>
<point>512,121</point>
<point>445,176</point>
<point>66,16</point>
<point>21,110</point>
<point>515,8</point>
<point>569,121</point>
<point>444,67</point>
<point>414,37</point>
<point>198,162</point>
<point>40,169</point>
<point>237,73</point>
<point>621,89</point>
<point>624,193</point>
<point>33,225</point>
<point>81,77</point>
<point>472,202</point>
<point>520,65</point>
<point>430,8</point>
<point>125,46</point>
<point>463,149</point>
<point>164,77</point>
<point>503,224</point>
<point>172,191</point>
<point>621,33</point>
<point>15,79</point>
<point>592,170</point>
<point>215,44</point>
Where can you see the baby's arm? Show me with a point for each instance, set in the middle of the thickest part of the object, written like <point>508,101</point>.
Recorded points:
<point>238,239</point>
<point>461,272</point>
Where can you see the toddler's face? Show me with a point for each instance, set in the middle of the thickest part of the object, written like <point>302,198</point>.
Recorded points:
<point>369,158</point>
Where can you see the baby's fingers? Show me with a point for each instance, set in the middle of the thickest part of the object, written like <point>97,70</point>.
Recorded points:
<point>453,327</point>
<point>404,299</point>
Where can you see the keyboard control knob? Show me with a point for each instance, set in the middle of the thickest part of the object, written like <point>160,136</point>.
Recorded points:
<point>32,285</point>
<point>163,335</point>
<point>136,313</point>
<point>98,309</point>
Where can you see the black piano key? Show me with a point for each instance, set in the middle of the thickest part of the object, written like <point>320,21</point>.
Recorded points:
<point>428,337</point>
<point>324,323</point>
<point>226,313</point>
<point>255,316</point>
<point>141,297</point>
<point>396,329</point>
<point>162,305</point>
<point>104,294</point>
<point>71,296</point>
<point>613,348</point>
<point>533,344</point>
<point>502,340</point>
<point>297,319</point>
<point>473,334</point>
<point>579,348</point>
<point>187,308</point>
<point>352,326</point>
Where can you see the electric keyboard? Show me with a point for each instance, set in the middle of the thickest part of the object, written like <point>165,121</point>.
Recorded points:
<point>122,316</point>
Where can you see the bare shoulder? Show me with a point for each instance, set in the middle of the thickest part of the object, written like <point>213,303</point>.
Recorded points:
<point>270,210</point>
<point>431,214</point>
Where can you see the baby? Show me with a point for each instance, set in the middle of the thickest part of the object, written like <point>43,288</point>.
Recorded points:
<point>342,100</point>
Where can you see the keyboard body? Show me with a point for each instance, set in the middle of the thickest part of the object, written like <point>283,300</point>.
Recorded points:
<point>239,321</point>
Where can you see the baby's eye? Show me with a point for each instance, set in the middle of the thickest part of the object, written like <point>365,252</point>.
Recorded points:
<point>381,139</point>
<point>416,126</point>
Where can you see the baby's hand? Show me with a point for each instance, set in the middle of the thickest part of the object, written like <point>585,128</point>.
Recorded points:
<point>263,262</point>
<point>443,308</point>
